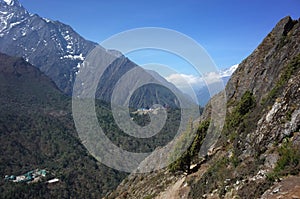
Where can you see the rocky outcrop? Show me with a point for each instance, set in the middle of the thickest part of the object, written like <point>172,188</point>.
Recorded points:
<point>281,120</point>
<point>263,67</point>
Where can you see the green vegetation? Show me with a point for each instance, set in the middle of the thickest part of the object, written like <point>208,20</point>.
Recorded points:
<point>130,143</point>
<point>183,162</point>
<point>238,124</point>
<point>237,117</point>
<point>288,163</point>
<point>37,131</point>
<point>246,103</point>
<point>198,140</point>
<point>222,168</point>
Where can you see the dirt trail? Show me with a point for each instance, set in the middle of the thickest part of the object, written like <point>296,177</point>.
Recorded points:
<point>173,191</point>
<point>180,189</point>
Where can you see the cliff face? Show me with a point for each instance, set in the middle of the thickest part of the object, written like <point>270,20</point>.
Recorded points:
<point>260,142</point>
<point>263,67</point>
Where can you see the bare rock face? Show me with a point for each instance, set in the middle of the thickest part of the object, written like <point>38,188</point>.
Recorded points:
<point>282,119</point>
<point>263,67</point>
<point>271,73</point>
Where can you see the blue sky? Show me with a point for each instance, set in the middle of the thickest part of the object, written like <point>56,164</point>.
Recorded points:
<point>228,30</point>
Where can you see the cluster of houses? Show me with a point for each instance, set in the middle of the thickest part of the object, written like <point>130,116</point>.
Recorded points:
<point>31,176</point>
<point>142,111</point>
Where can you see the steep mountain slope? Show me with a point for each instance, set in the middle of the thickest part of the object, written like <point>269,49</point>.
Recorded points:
<point>53,47</point>
<point>37,131</point>
<point>57,50</point>
<point>260,142</point>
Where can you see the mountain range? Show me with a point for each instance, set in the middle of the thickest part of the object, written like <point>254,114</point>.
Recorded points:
<point>58,51</point>
<point>251,149</point>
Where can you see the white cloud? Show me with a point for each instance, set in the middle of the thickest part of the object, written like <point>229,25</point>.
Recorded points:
<point>228,72</point>
<point>184,81</point>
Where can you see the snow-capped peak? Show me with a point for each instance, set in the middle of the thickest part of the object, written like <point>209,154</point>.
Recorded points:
<point>228,72</point>
<point>9,2</point>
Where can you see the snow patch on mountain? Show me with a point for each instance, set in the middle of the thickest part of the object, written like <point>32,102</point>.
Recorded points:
<point>9,2</point>
<point>228,72</point>
<point>46,20</point>
<point>73,57</point>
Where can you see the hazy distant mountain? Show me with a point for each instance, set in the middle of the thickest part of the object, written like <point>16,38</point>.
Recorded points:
<point>57,50</point>
<point>197,86</point>
<point>202,91</point>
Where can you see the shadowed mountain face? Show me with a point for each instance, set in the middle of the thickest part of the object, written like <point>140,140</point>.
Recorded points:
<point>57,50</point>
<point>37,131</point>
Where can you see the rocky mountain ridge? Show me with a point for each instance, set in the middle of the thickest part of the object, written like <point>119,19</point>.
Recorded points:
<point>58,51</point>
<point>55,48</point>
